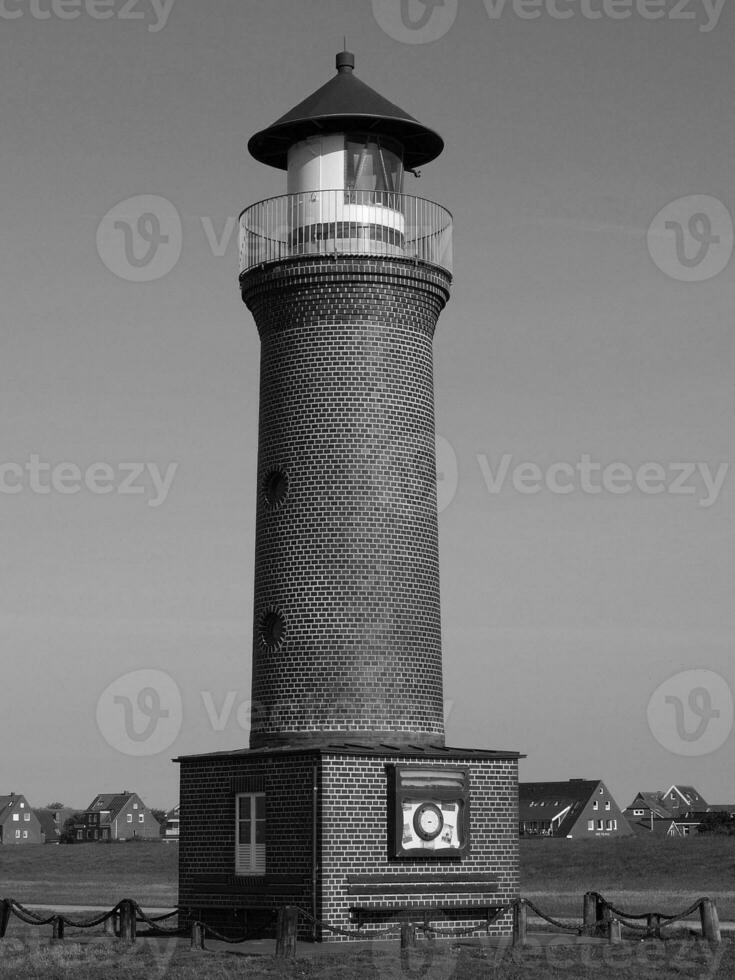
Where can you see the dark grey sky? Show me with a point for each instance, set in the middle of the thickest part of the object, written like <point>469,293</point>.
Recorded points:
<point>564,341</point>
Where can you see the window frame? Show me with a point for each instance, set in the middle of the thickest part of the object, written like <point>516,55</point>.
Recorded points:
<point>250,858</point>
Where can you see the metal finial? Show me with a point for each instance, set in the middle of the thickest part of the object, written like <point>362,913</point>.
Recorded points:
<point>345,60</point>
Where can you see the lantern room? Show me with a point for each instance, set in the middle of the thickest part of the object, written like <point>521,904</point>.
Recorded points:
<point>346,150</point>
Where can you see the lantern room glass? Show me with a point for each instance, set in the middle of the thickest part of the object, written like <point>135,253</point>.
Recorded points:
<point>372,165</point>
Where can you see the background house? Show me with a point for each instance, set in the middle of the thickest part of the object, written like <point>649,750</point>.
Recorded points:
<point>118,816</point>
<point>52,820</point>
<point>170,825</point>
<point>677,812</point>
<point>576,808</point>
<point>18,822</point>
<point>684,799</point>
<point>648,813</point>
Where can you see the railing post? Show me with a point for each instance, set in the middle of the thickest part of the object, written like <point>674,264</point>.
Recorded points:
<point>58,929</point>
<point>286,930</point>
<point>710,920</point>
<point>589,913</point>
<point>197,935</point>
<point>520,922</point>
<point>613,931</point>
<point>408,935</point>
<point>5,910</point>
<point>127,921</point>
<point>654,925</point>
<point>601,912</point>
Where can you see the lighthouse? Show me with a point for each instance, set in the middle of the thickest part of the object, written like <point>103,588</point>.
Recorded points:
<point>347,803</point>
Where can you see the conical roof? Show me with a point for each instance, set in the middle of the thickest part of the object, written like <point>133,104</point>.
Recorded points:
<point>345,104</point>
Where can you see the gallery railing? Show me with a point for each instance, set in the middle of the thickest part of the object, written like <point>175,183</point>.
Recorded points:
<point>345,222</point>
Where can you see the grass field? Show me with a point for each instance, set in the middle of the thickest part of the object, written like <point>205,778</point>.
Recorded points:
<point>635,874</point>
<point>639,874</point>
<point>659,874</point>
<point>90,874</point>
<point>169,961</point>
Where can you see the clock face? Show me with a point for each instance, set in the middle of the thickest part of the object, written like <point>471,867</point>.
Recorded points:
<point>428,821</point>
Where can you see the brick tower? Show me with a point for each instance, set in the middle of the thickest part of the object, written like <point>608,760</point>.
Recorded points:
<point>347,803</point>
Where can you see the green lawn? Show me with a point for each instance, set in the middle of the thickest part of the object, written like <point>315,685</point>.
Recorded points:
<point>638,874</point>
<point>90,874</point>
<point>642,874</point>
<point>170,961</point>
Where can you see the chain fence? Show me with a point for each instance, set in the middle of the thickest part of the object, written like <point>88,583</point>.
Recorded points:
<point>600,918</point>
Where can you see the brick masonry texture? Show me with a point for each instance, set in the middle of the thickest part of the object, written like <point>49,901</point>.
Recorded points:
<point>351,836</point>
<point>208,885</point>
<point>355,808</point>
<point>348,561</point>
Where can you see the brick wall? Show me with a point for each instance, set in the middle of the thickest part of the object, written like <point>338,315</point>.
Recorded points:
<point>348,560</point>
<point>352,835</point>
<point>354,832</point>
<point>207,879</point>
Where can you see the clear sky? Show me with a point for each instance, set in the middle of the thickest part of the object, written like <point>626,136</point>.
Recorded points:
<point>564,343</point>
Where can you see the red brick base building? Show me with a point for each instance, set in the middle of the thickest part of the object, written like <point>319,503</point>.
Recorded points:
<point>328,848</point>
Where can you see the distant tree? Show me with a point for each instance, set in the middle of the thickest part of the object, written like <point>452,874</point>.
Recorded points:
<point>160,815</point>
<point>718,822</point>
<point>68,834</point>
<point>54,806</point>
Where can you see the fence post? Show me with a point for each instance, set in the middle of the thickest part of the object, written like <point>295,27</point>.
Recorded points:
<point>286,929</point>
<point>710,920</point>
<point>5,910</point>
<point>127,921</point>
<point>613,931</point>
<point>520,922</point>
<point>654,925</point>
<point>197,935</point>
<point>589,913</point>
<point>408,935</point>
<point>58,929</point>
